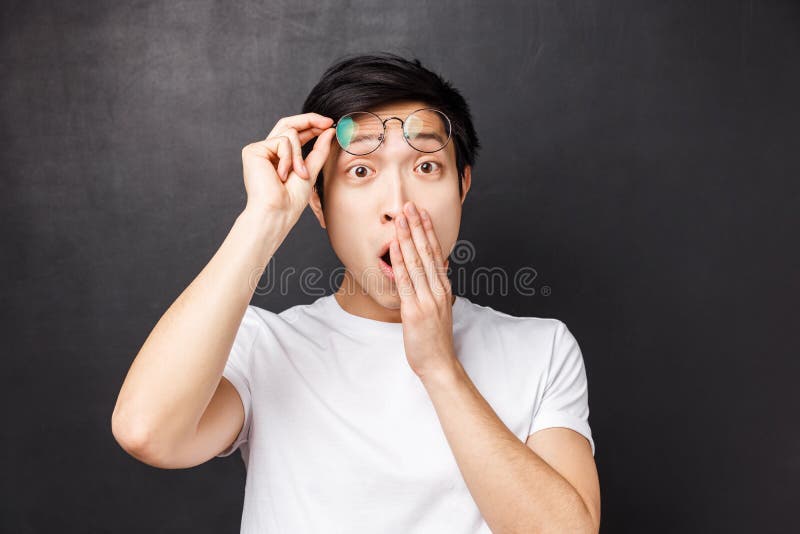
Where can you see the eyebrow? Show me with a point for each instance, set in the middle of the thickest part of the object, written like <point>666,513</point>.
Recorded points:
<point>361,137</point>
<point>433,135</point>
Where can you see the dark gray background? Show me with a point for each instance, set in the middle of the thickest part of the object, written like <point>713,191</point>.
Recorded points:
<point>642,156</point>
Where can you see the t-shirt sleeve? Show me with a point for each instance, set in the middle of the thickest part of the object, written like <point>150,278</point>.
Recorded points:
<point>237,371</point>
<point>565,402</point>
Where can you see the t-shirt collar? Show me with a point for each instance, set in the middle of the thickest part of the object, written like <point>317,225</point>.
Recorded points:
<point>362,325</point>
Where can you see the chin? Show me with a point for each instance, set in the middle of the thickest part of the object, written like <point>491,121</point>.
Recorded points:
<point>387,299</point>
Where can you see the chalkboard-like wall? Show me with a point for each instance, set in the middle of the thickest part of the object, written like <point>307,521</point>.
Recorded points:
<point>643,157</point>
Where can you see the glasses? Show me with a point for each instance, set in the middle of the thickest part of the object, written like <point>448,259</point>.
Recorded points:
<point>362,132</point>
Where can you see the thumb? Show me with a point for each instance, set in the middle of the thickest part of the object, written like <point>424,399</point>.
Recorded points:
<point>319,154</point>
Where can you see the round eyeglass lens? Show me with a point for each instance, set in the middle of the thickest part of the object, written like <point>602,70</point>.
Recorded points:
<point>427,130</point>
<point>359,133</point>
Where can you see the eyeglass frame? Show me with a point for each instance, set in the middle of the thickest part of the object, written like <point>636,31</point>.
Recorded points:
<point>403,127</point>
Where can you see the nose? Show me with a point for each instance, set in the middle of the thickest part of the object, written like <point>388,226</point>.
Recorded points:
<point>396,203</point>
<point>398,194</point>
<point>396,197</point>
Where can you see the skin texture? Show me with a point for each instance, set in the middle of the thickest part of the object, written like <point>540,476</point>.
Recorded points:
<point>365,194</point>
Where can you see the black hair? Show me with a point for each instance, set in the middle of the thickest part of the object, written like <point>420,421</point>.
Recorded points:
<point>362,82</point>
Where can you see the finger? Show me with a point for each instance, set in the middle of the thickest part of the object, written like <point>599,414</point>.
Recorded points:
<point>286,163</point>
<point>276,150</point>
<point>319,153</point>
<point>285,155</point>
<point>307,135</point>
<point>423,248</point>
<point>401,277</point>
<point>441,270</point>
<point>411,259</point>
<point>297,153</point>
<point>304,135</point>
<point>300,188</point>
<point>301,122</point>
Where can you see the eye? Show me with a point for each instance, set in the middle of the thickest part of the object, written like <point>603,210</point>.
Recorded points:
<point>360,171</point>
<point>429,167</point>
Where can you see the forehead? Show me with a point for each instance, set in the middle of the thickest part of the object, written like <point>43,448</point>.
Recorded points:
<point>398,109</point>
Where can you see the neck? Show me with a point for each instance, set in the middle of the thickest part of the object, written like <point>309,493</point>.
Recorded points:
<point>382,307</point>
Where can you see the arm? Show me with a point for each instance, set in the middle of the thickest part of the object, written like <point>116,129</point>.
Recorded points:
<point>174,409</point>
<point>515,488</point>
<point>178,369</point>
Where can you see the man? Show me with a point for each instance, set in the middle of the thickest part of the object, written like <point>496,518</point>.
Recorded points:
<point>391,405</point>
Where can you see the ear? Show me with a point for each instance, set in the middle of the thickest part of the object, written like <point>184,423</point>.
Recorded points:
<point>467,182</point>
<point>316,206</point>
<point>324,170</point>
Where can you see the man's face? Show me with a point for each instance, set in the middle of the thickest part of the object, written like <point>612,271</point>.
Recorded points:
<point>364,194</point>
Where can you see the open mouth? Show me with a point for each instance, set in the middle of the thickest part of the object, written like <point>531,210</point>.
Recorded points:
<point>385,262</point>
<point>387,259</point>
<point>385,254</point>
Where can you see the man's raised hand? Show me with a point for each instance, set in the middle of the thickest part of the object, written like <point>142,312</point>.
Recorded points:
<point>277,179</point>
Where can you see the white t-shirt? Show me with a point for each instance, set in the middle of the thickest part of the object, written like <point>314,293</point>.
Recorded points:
<point>340,435</point>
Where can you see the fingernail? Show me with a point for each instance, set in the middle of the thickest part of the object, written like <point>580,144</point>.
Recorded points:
<point>402,221</point>
<point>303,168</point>
<point>411,209</point>
<point>423,214</point>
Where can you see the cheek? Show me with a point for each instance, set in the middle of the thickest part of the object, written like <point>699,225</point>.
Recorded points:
<point>346,219</point>
<point>345,242</point>
<point>446,223</point>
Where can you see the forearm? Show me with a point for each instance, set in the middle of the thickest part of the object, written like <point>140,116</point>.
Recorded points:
<point>177,370</point>
<point>514,488</point>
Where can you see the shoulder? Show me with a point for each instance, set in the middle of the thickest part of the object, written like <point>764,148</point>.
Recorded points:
<point>482,317</point>
<point>291,319</point>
